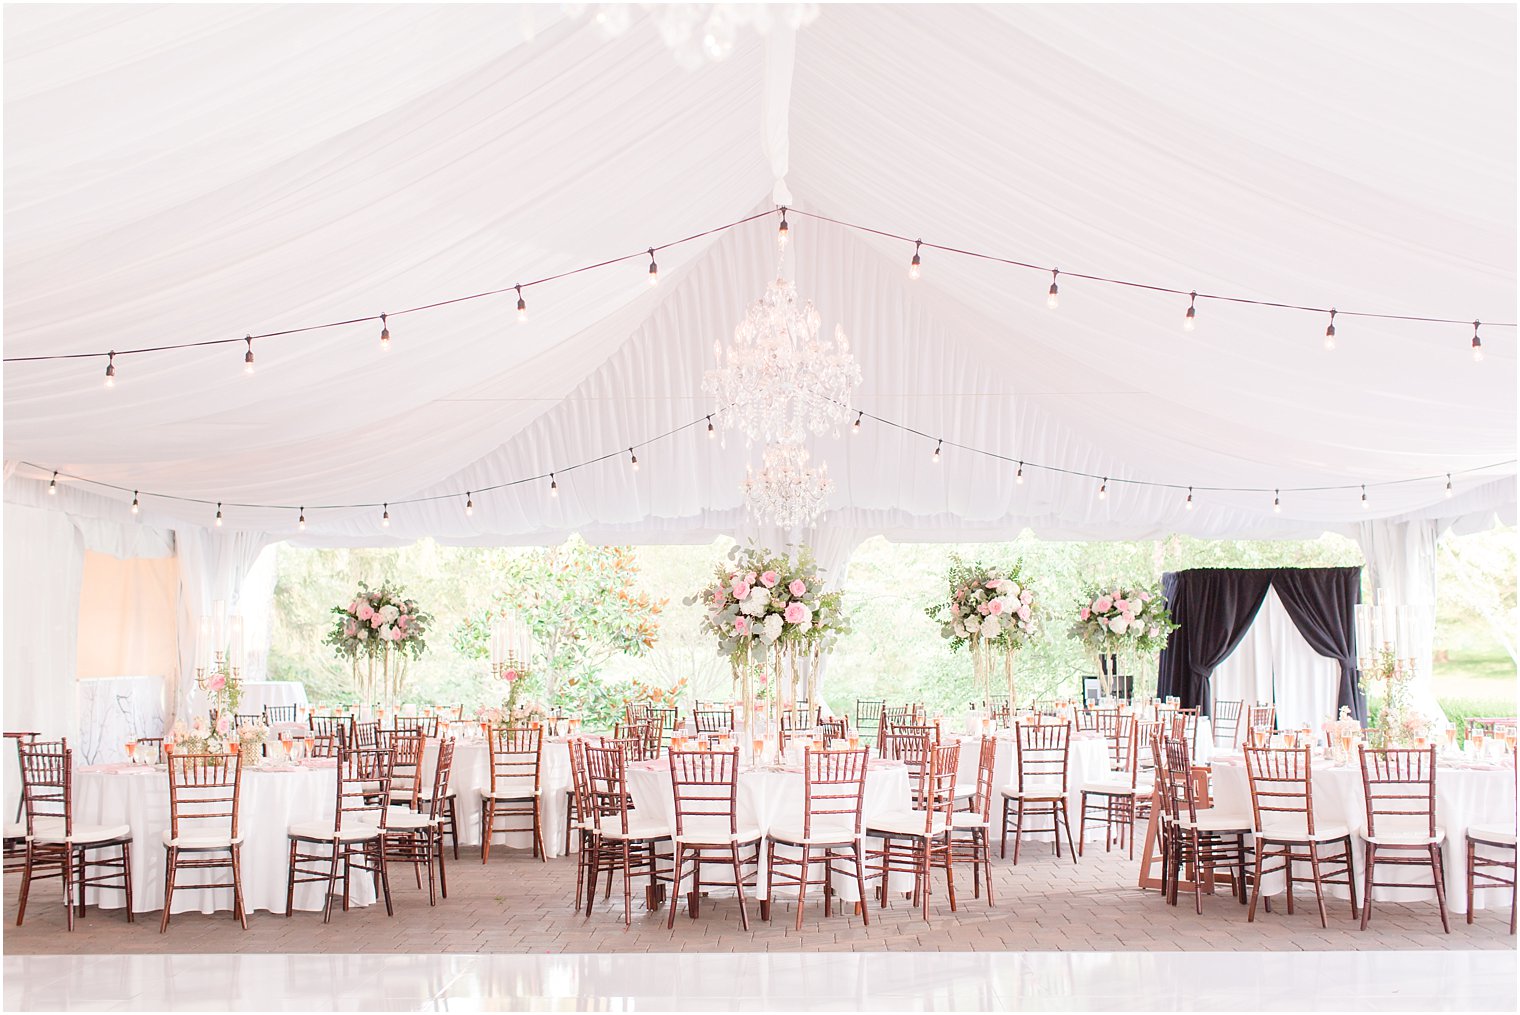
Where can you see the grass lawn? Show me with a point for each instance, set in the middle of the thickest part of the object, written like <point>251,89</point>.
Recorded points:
<point>1476,681</point>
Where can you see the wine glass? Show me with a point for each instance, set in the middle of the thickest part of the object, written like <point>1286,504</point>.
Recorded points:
<point>310,745</point>
<point>131,746</point>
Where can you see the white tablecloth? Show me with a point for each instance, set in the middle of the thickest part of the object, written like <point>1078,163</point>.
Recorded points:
<point>766,797</point>
<point>1464,796</point>
<point>471,777</point>
<point>270,803</point>
<point>258,693</point>
<point>1089,762</point>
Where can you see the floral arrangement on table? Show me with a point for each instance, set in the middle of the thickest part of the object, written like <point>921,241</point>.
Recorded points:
<point>224,689</point>
<point>377,630</point>
<point>1115,619</point>
<point>514,713</point>
<point>251,737</point>
<point>992,610</point>
<point>770,610</point>
<point>1399,723</point>
<point>202,736</point>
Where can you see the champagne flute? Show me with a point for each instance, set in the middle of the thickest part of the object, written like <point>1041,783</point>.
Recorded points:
<point>310,745</point>
<point>131,746</point>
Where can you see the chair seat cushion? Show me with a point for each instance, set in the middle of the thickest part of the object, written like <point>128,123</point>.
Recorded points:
<point>52,830</point>
<point>200,841</point>
<point>1405,835</point>
<point>905,823</point>
<point>963,820</point>
<point>1296,832</point>
<point>1034,791</point>
<point>710,829</point>
<point>15,830</point>
<point>322,831</point>
<point>1491,834</point>
<point>1110,787</point>
<point>639,827</point>
<point>965,789</point>
<point>401,820</point>
<point>1212,820</point>
<point>823,833</point>
<point>511,790</point>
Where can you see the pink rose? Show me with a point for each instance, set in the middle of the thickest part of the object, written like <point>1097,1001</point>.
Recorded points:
<point>1026,597</point>
<point>217,682</point>
<point>1024,612</point>
<point>1103,604</point>
<point>223,724</point>
<point>794,613</point>
<point>769,579</point>
<point>993,584</point>
<point>984,609</point>
<point>374,620</point>
<point>995,607</point>
<point>509,675</point>
<point>1145,597</point>
<point>749,578</point>
<point>1122,605</point>
<point>1086,613</point>
<point>741,589</point>
<point>396,634</point>
<point>741,626</point>
<point>720,594</point>
<point>798,588</point>
<point>364,612</point>
<point>349,630</point>
<point>1155,632</point>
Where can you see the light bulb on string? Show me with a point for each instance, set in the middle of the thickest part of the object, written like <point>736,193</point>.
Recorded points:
<point>915,264</point>
<point>855,426</point>
<point>633,460</point>
<point>385,516</point>
<point>935,459</point>
<point>1190,318</point>
<point>711,431</point>
<point>522,307</point>
<point>135,507</point>
<point>654,269</point>
<point>248,356</point>
<point>111,369</point>
<point>1053,297</point>
<point>1449,490</point>
<point>469,504</point>
<point>218,514</point>
<point>553,486</point>
<point>385,335</point>
<point>53,485</point>
<point>1018,477</point>
<point>1188,504</point>
<point>1330,331</point>
<point>1364,496</point>
<point>1477,345</point>
<point>1277,502</point>
<point>1103,489</point>
<point>301,522</point>
<point>783,233</point>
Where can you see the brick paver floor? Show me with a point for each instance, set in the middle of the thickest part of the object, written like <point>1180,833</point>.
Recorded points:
<point>516,904</point>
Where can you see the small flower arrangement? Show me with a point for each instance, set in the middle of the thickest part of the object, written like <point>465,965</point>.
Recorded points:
<point>201,736</point>
<point>1114,618</point>
<point>988,605</point>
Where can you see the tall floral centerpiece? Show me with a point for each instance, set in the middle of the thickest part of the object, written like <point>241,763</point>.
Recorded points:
<point>1384,636</point>
<point>377,631</point>
<point>1121,619</point>
<point>992,611</point>
<point>773,620</point>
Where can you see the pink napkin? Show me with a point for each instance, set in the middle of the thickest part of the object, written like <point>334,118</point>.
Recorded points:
<point>320,763</point>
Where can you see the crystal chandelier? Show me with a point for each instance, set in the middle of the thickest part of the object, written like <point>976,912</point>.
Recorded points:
<point>785,490</point>
<point>779,380</point>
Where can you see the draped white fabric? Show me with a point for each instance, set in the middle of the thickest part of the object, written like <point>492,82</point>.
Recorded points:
<point>180,173</point>
<point>212,567</point>
<point>44,558</point>
<point>1401,565</point>
<point>1274,663</point>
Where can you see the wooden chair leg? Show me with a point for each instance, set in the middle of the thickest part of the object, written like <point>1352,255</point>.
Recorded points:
<point>171,856</point>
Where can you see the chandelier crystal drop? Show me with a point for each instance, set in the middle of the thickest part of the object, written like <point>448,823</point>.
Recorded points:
<point>785,491</point>
<point>778,381</point>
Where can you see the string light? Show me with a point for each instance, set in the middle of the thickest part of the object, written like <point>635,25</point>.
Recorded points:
<point>1277,502</point>
<point>111,370</point>
<point>1018,477</point>
<point>855,426</point>
<point>1477,345</point>
<point>1103,490</point>
<point>935,459</point>
<point>522,307</point>
<point>553,486</point>
<point>915,264</point>
<point>711,432</point>
<point>1188,504</point>
<point>218,514</point>
<point>1053,298</point>
<point>1364,496</point>
<point>53,485</point>
<point>469,504</point>
<point>248,356</point>
<point>385,335</point>
<point>135,508</point>
<point>654,269</point>
<point>1330,331</point>
<point>1191,317</point>
<point>1449,490</point>
<point>633,460</point>
<point>385,515</point>
<point>301,522</point>
<point>783,233</point>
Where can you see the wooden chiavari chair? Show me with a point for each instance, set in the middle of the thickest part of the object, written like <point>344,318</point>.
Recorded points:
<point>705,788</point>
<point>715,720</point>
<point>583,827</point>
<point>636,712</point>
<point>516,768</point>
<point>354,838</point>
<point>1226,723</point>
<point>868,716</point>
<point>406,765</point>
<point>427,725</point>
<point>640,741</point>
<point>204,798</point>
<point>1482,868</point>
<point>665,721</point>
<point>829,831</point>
<point>280,713</point>
<point>417,837</point>
<point>1085,720</point>
<point>241,719</point>
<point>1117,794</point>
<point>57,846</point>
<point>151,748</point>
<point>1282,808</point>
<point>1257,717</point>
<point>1106,720</point>
<point>622,839</point>
<point>971,830</point>
<point>1399,785</point>
<point>15,831</point>
<point>1042,751</point>
<point>910,745</point>
<point>366,734</point>
<point>1202,838</point>
<point>915,841</point>
<point>1185,727</point>
<point>835,729</point>
<point>337,729</point>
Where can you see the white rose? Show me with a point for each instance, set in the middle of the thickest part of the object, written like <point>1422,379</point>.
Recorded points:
<point>388,614</point>
<point>772,628</point>
<point>960,630</point>
<point>1118,625</point>
<point>1136,607</point>
<point>385,632</point>
<point>991,628</point>
<point>1012,589</point>
<point>363,634</point>
<point>974,623</point>
<point>757,602</point>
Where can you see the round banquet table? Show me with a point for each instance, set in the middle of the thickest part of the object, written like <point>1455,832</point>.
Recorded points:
<point>271,800</point>
<point>769,795</point>
<point>1203,749</point>
<point>1466,794</point>
<point>471,778</point>
<point>258,693</point>
<point>1089,761</point>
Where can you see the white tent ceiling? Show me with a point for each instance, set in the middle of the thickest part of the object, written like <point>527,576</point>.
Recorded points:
<point>182,173</point>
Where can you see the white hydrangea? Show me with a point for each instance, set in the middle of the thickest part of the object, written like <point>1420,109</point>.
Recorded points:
<point>772,628</point>
<point>756,603</point>
<point>991,628</point>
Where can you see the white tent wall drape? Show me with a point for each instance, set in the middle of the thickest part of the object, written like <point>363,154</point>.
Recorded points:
<point>213,566</point>
<point>1274,663</point>
<point>1401,563</point>
<point>44,559</point>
